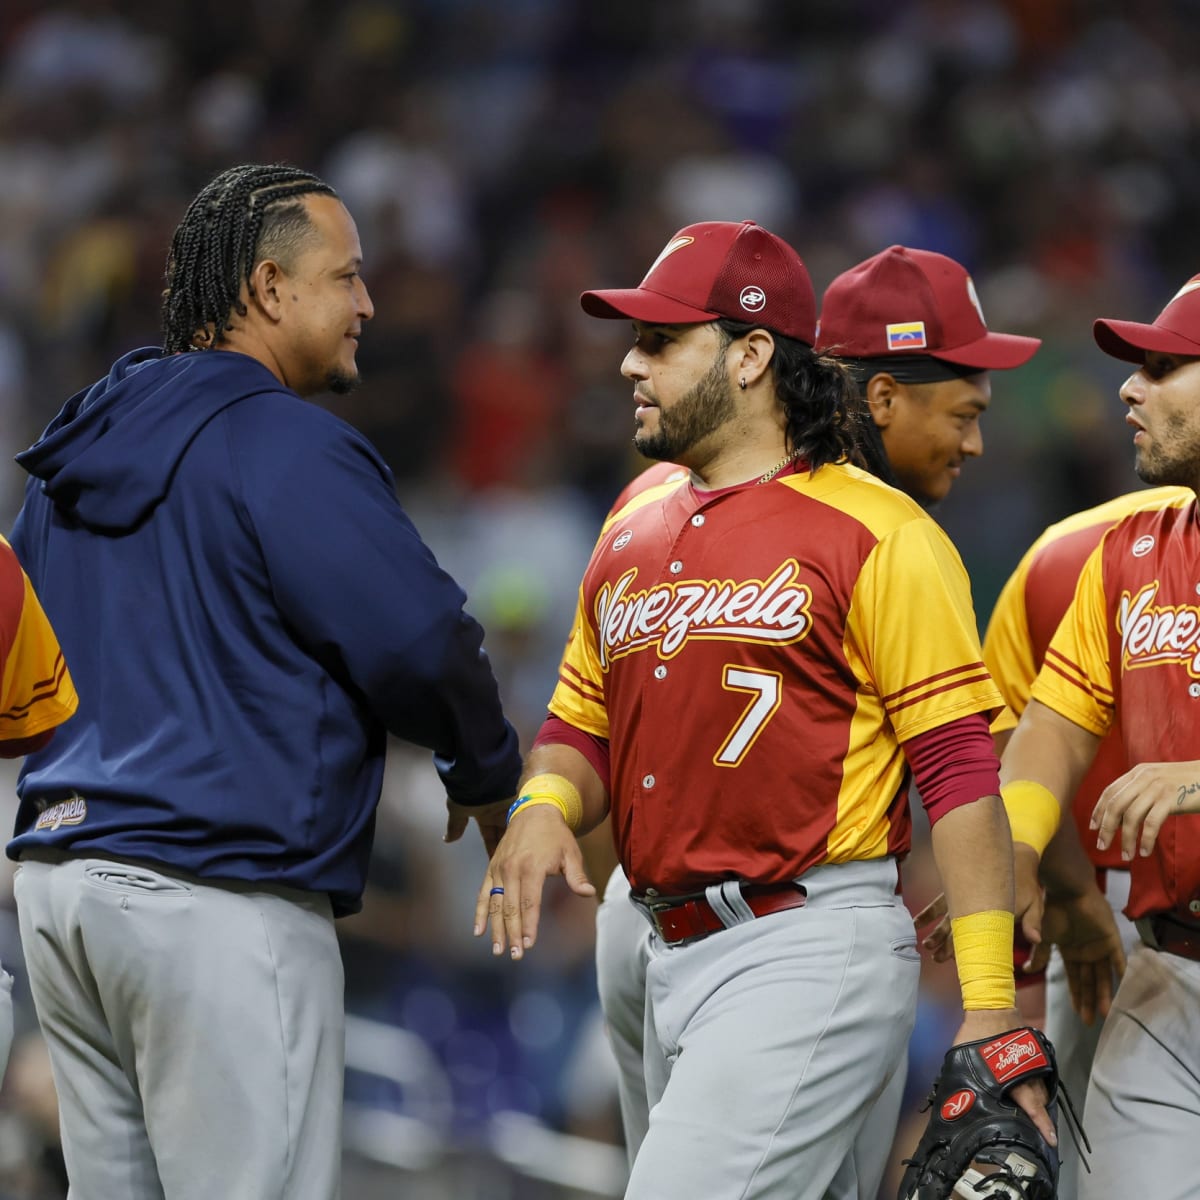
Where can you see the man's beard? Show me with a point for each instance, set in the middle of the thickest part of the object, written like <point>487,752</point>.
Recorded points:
<point>340,382</point>
<point>701,411</point>
<point>1168,460</point>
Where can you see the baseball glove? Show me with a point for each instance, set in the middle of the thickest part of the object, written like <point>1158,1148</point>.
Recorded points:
<point>973,1121</point>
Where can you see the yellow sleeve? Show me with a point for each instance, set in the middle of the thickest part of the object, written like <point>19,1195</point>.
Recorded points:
<point>1076,679</point>
<point>923,654</point>
<point>1007,651</point>
<point>37,692</point>
<point>579,695</point>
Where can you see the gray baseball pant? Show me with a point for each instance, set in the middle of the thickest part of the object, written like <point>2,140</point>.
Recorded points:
<point>1074,1042</point>
<point>196,1032</point>
<point>1143,1106</point>
<point>770,1044</point>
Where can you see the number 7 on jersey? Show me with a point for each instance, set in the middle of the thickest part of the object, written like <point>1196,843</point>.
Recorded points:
<point>766,691</point>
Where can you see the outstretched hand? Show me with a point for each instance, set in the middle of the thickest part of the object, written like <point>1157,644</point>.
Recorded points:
<point>537,844</point>
<point>1086,934</point>
<point>1136,804</point>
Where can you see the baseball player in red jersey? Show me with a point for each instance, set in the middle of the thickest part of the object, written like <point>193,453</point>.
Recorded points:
<point>36,691</point>
<point>36,696</point>
<point>761,654</point>
<point>1127,654</point>
<point>927,411</point>
<point>1028,611</point>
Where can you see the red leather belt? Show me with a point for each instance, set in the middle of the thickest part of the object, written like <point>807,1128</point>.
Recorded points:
<point>1165,932</point>
<point>687,918</point>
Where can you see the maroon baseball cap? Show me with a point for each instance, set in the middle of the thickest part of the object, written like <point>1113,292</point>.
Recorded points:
<point>719,269</point>
<point>903,301</point>
<point>1176,330</point>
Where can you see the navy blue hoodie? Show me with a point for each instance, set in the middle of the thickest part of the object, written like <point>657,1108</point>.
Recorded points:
<point>246,611</point>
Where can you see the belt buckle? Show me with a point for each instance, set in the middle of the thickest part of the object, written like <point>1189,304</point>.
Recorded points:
<point>1147,928</point>
<point>653,907</point>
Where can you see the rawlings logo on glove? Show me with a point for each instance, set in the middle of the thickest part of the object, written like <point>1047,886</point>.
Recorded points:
<point>974,1123</point>
<point>1015,1054</point>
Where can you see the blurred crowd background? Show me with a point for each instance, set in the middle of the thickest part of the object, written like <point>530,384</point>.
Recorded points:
<point>500,156</point>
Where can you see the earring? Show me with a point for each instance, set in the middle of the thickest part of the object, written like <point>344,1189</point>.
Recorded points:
<point>742,384</point>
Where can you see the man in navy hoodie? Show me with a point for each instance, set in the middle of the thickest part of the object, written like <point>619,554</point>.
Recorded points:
<point>247,612</point>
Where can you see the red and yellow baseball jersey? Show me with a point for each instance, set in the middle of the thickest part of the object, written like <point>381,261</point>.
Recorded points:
<point>651,477</point>
<point>36,692</point>
<point>1128,651</point>
<point>756,657</point>
<point>1028,611</point>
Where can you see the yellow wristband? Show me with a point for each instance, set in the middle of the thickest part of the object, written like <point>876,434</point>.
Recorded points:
<point>1033,812</point>
<point>552,789</point>
<point>983,944</point>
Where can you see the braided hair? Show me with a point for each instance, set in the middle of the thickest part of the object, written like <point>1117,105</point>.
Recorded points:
<point>827,419</point>
<point>244,215</point>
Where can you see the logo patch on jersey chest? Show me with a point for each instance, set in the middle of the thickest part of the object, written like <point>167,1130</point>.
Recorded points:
<point>1156,635</point>
<point>775,610</point>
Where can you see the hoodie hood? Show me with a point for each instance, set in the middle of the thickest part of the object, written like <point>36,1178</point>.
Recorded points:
<point>109,456</point>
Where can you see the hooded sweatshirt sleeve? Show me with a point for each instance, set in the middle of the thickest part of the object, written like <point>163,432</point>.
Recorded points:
<point>365,596</point>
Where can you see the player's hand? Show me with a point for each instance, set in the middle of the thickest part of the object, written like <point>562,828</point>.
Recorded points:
<point>939,941</point>
<point>1086,934</point>
<point>537,844</point>
<point>1137,804</point>
<point>489,818</point>
<point>1032,1097</point>
<point>1028,908</point>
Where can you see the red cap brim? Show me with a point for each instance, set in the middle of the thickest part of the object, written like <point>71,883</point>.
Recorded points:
<point>638,304</point>
<point>992,352</point>
<point>1129,341</point>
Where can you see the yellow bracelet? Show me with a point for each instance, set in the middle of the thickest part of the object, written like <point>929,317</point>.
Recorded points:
<point>983,943</point>
<point>1033,812</point>
<point>551,789</point>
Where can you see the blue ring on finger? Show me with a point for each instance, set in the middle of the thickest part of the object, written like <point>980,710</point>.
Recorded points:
<point>496,892</point>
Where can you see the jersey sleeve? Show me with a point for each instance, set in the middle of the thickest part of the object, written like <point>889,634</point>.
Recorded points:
<point>913,623</point>
<point>579,695</point>
<point>36,692</point>
<point>1076,679</point>
<point>1007,649</point>
<point>365,596</point>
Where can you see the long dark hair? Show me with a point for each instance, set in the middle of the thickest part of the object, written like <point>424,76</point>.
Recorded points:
<point>244,214</point>
<point>827,418</point>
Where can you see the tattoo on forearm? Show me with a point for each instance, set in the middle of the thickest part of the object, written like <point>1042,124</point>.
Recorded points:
<point>1186,790</point>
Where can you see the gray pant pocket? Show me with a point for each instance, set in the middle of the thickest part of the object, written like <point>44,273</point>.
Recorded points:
<point>141,881</point>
